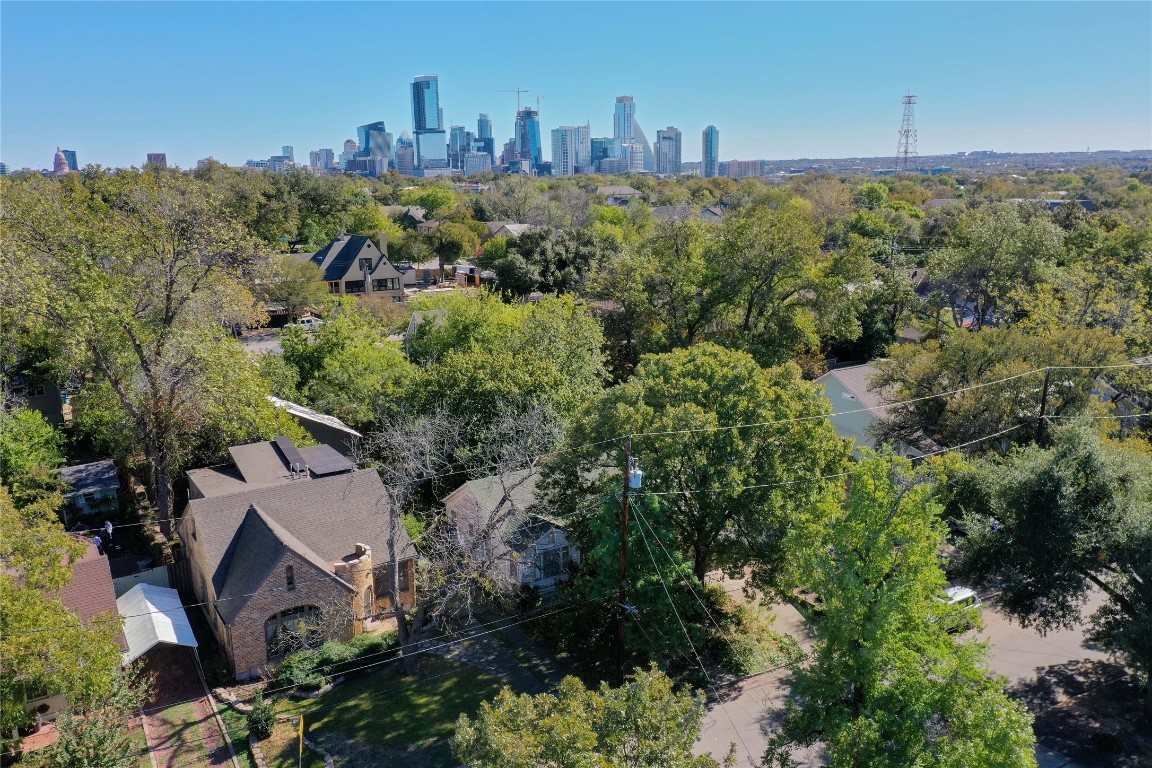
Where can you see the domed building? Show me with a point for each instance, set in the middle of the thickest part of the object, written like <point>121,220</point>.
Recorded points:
<point>60,164</point>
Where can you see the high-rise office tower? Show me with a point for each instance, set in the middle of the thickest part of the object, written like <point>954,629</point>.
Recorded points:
<point>70,156</point>
<point>624,119</point>
<point>710,152</point>
<point>528,136</point>
<point>287,152</point>
<point>405,154</point>
<point>428,123</point>
<point>375,141</point>
<point>459,144</point>
<point>426,113</point>
<point>157,160</point>
<point>483,126</point>
<point>321,160</point>
<point>625,128</point>
<point>571,149</point>
<point>668,150</point>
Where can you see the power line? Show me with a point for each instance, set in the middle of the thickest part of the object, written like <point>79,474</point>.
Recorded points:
<point>408,655</point>
<point>684,629</point>
<point>885,406</point>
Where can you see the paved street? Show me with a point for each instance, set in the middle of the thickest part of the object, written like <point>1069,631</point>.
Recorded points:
<point>1029,661</point>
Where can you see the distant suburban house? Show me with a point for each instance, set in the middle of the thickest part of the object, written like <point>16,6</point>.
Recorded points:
<point>429,226</point>
<point>506,229</point>
<point>327,430</point>
<point>354,266</point>
<point>420,273</point>
<point>92,490</point>
<point>618,191</point>
<point>686,213</point>
<point>858,407</point>
<point>284,536</point>
<point>90,595</point>
<point>527,548</point>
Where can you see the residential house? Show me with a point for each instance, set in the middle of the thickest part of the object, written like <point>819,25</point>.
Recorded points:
<point>686,213</point>
<point>286,536</point>
<point>354,266</point>
<point>858,407</point>
<point>618,191</point>
<point>90,595</point>
<point>526,547</point>
<point>506,229</point>
<point>327,430</point>
<point>40,395</point>
<point>92,490</point>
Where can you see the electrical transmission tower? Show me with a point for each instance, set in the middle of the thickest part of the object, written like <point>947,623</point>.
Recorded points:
<point>906,149</point>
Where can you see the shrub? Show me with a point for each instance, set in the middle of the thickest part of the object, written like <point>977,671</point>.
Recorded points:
<point>745,643</point>
<point>261,718</point>
<point>313,668</point>
<point>301,669</point>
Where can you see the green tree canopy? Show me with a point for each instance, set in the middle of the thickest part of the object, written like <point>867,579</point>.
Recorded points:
<point>729,494</point>
<point>644,724</point>
<point>971,362</point>
<point>296,284</point>
<point>1046,525</point>
<point>887,685</point>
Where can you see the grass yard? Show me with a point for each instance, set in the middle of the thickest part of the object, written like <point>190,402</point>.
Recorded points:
<point>402,715</point>
<point>281,749</point>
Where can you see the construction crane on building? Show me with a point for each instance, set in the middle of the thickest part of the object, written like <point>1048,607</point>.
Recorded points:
<point>517,91</point>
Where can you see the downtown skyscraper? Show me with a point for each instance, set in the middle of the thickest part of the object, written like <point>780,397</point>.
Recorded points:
<point>668,150</point>
<point>631,136</point>
<point>571,150</point>
<point>710,152</point>
<point>428,123</point>
<point>527,141</point>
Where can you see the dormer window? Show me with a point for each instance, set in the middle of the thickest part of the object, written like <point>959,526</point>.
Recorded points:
<point>290,577</point>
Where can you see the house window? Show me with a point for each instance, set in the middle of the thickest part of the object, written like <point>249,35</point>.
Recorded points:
<point>334,287</point>
<point>290,577</point>
<point>513,570</point>
<point>384,579</point>
<point>353,286</point>
<point>365,264</point>
<point>386,284</point>
<point>39,692</point>
<point>367,602</point>
<point>292,630</point>
<point>552,562</point>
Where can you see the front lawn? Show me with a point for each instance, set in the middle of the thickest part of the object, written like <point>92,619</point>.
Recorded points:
<point>385,714</point>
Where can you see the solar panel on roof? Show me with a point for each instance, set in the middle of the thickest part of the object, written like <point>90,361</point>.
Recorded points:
<point>291,453</point>
<point>325,460</point>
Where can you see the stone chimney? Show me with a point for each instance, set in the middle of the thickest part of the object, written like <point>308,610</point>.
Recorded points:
<point>357,568</point>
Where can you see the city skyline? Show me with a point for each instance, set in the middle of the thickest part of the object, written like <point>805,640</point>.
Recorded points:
<point>821,87</point>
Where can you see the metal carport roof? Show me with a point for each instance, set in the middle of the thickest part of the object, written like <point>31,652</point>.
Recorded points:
<point>153,615</point>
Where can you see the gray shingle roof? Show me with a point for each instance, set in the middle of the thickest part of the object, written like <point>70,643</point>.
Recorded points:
<point>321,519</point>
<point>89,478</point>
<point>261,534</point>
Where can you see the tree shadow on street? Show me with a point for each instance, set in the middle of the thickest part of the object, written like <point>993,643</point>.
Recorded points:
<point>1090,711</point>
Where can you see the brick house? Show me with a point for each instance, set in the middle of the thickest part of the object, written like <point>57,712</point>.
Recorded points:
<point>283,536</point>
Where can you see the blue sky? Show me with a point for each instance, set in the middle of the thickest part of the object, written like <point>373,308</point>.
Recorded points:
<point>234,80</point>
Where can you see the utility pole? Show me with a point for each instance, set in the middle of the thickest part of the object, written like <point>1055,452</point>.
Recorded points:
<point>633,478</point>
<point>1043,407</point>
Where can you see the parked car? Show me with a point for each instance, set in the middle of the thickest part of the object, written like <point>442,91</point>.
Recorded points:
<point>963,611</point>
<point>307,323</point>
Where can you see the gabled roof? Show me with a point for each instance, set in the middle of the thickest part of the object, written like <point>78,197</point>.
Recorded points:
<point>91,591</point>
<point>153,615</point>
<point>855,379</point>
<point>321,519</point>
<point>258,547</point>
<point>341,254</point>
<point>617,190</point>
<point>90,478</point>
